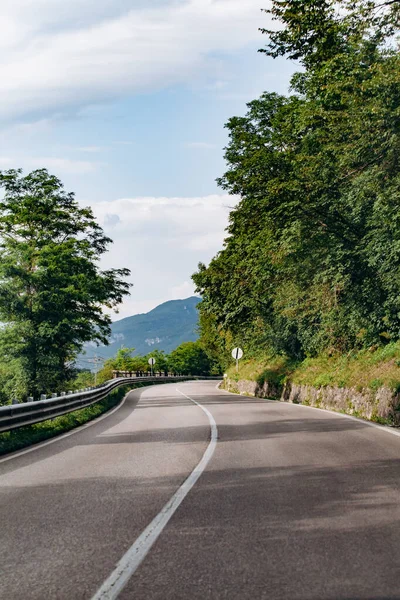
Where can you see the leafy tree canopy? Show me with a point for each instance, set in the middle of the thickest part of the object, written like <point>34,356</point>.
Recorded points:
<point>189,359</point>
<point>312,258</point>
<point>52,291</point>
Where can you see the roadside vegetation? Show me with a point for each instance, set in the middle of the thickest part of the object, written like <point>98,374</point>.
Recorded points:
<point>52,291</point>
<point>10,441</point>
<point>308,279</point>
<point>367,369</point>
<point>16,439</point>
<point>187,359</point>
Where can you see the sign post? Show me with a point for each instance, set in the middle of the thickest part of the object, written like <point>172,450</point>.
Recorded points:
<point>152,362</point>
<point>237,354</point>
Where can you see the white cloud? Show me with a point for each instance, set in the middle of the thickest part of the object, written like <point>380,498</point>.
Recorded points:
<point>57,56</point>
<point>182,291</point>
<point>64,165</point>
<point>58,165</point>
<point>162,240</point>
<point>178,219</point>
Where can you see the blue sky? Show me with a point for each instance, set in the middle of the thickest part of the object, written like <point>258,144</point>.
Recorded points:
<point>126,102</point>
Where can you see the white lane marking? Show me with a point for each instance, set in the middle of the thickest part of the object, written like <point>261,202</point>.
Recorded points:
<point>57,438</point>
<point>131,560</point>
<point>383,428</point>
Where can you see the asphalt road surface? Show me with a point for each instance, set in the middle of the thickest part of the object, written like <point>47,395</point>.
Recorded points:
<point>289,503</point>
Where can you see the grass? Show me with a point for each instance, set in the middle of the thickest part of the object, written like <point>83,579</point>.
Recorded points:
<point>10,441</point>
<point>272,369</point>
<point>275,370</point>
<point>371,368</point>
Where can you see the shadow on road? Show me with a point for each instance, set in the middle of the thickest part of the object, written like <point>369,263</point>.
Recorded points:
<point>298,533</point>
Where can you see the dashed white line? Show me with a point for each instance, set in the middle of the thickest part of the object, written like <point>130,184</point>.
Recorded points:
<point>131,560</point>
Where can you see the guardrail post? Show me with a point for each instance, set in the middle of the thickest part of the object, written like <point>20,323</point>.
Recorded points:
<point>30,399</point>
<point>14,401</point>
<point>43,396</point>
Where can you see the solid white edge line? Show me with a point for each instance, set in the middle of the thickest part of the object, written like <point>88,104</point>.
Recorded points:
<point>383,428</point>
<point>57,438</point>
<point>131,560</point>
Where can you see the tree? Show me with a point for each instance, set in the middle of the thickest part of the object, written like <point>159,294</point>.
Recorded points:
<point>189,359</point>
<point>312,258</point>
<point>161,358</point>
<point>52,291</point>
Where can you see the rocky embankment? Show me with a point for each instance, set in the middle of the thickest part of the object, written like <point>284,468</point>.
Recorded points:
<point>382,405</point>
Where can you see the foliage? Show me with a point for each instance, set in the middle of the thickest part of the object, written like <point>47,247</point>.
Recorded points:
<point>311,264</point>
<point>32,434</point>
<point>189,359</point>
<point>83,379</point>
<point>16,439</point>
<point>215,342</point>
<point>124,361</point>
<point>52,292</point>
<point>364,369</point>
<point>161,359</point>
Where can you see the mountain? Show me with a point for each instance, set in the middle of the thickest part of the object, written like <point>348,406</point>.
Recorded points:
<point>164,328</point>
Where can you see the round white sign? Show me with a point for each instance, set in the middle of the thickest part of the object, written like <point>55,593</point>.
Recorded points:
<point>237,353</point>
<point>152,361</point>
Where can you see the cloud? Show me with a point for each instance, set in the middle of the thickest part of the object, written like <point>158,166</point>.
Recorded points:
<point>182,291</point>
<point>65,165</point>
<point>178,220</point>
<point>111,220</point>
<point>58,57</point>
<point>162,240</point>
<point>57,165</point>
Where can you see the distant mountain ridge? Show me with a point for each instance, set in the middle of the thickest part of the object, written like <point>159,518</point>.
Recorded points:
<point>165,327</point>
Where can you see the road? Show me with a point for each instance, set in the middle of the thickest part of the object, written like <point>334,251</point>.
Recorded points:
<point>294,503</point>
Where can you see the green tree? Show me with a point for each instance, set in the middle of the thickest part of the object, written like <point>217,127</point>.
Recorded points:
<point>189,359</point>
<point>312,258</point>
<point>84,378</point>
<point>52,291</point>
<point>161,358</point>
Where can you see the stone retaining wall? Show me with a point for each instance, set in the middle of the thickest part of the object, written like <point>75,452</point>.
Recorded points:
<point>382,405</point>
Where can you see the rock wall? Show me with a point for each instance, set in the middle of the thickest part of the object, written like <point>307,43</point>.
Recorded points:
<point>382,405</point>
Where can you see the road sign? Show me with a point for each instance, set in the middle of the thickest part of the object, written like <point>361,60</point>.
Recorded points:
<point>152,362</point>
<point>237,353</point>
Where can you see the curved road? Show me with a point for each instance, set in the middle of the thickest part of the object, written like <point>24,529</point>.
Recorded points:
<point>294,503</point>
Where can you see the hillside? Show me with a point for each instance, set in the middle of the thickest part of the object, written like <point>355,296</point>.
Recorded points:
<point>164,328</point>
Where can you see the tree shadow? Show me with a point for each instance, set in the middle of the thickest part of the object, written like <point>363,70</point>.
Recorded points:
<point>289,532</point>
<point>257,430</point>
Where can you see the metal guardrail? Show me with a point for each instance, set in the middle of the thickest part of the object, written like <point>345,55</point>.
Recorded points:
<point>13,416</point>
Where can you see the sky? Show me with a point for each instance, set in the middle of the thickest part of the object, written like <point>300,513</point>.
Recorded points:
<point>125,101</point>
